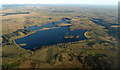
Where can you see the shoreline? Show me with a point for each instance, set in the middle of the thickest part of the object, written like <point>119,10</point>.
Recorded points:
<point>13,39</point>
<point>23,35</point>
<point>85,34</point>
<point>30,34</point>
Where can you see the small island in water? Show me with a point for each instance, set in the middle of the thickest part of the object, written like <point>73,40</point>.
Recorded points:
<point>63,24</point>
<point>71,36</point>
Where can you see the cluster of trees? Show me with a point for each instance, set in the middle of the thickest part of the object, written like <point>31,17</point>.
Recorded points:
<point>7,37</point>
<point>111,31</point>
<point>28,22</point>
<point>94,61</point>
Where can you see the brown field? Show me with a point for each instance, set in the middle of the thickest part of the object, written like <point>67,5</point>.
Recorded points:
<point>63,24</point>
<point>115,26</point>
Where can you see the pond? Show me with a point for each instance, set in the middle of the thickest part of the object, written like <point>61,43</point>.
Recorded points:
<point>50,36</point>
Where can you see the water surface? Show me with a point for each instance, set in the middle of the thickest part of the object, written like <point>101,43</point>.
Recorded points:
<point>49,37</point>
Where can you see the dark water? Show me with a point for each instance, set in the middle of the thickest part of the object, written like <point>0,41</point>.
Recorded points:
<point>49,25</point>
<point>49,37</point>
<point>16,13</point>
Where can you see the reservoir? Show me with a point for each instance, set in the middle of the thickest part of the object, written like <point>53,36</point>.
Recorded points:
<point>51,36</point>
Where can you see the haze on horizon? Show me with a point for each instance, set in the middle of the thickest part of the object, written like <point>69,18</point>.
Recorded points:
<point>94,2</point>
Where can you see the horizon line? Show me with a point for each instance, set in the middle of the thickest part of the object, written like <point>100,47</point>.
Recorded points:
<point>62,4</point>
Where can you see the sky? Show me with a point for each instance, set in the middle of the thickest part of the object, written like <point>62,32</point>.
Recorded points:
<point>98,2</point>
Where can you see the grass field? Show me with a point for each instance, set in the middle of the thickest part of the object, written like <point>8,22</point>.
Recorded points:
<point>99,50</point>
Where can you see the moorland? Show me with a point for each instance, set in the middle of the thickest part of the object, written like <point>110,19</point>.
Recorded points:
<point>97,50</point>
